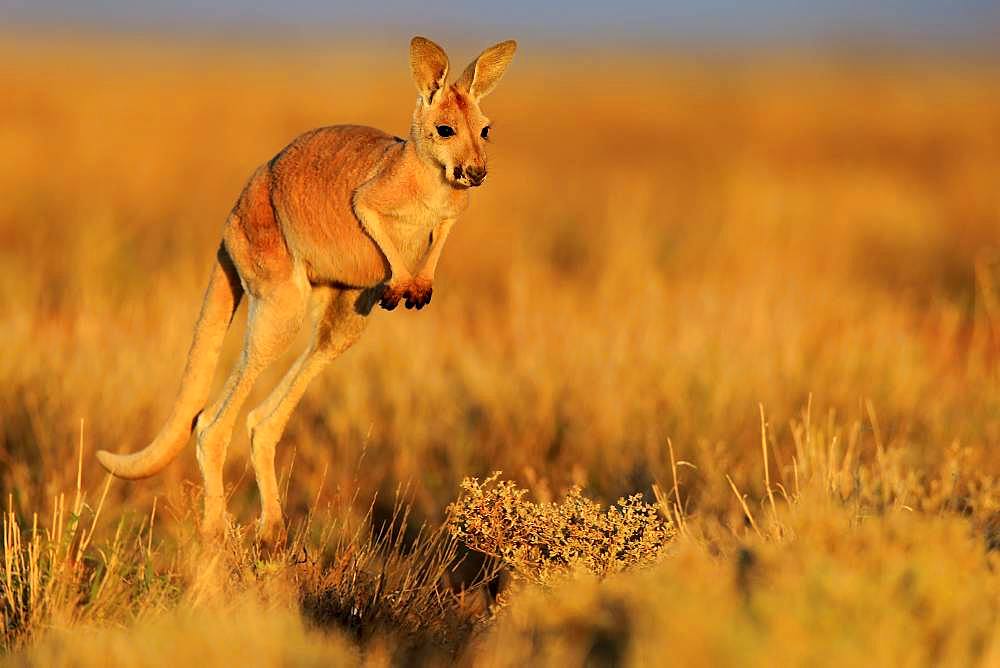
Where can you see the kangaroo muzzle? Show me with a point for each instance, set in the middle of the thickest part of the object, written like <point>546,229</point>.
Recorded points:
<point>476,175</point>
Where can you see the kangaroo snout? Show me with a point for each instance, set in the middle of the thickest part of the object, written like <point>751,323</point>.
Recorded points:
<point>476,175</point>
<point>472,175</point>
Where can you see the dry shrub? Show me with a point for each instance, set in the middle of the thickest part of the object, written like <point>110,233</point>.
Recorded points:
<point>542,541</point>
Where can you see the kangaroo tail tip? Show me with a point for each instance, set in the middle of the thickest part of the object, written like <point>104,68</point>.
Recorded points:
<point>108,460</point>
<point>117,465</point>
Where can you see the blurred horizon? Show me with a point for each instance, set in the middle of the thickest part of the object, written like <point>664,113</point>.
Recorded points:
<point>968,24</point>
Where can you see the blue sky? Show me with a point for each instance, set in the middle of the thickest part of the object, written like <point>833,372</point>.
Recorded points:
<point>921,20</point>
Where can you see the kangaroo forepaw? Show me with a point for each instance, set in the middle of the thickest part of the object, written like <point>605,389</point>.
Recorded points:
<point>418,294</point>
<point>391,294</point>
<point>415,293</point>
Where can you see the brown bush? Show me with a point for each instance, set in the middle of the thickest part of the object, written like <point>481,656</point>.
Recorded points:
<point>540,541</point>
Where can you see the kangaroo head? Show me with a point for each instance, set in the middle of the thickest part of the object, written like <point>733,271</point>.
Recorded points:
<point>448,128</point>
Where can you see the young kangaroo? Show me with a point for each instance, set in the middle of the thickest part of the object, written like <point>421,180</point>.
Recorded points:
<point>341,219</point>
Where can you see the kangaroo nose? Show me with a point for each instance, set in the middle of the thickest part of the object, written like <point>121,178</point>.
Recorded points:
<point>475,174</point>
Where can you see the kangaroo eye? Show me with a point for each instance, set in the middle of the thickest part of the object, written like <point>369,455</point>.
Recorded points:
<point>485,134</point>
<point>445,130</point>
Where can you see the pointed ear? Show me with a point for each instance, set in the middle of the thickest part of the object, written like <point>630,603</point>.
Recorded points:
<point>429,67</point>
<point>483,73</point>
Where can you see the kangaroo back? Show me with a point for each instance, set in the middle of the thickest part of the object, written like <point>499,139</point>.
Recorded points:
<point>311,186</point>
<point>221,299</point>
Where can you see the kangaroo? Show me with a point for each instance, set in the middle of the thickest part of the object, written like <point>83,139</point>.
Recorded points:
<point>343,218</point>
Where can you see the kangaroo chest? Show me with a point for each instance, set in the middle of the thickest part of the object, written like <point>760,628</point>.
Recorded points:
<point>413,221</point>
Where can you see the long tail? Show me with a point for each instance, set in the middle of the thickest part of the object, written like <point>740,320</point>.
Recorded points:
<point>221,299</point>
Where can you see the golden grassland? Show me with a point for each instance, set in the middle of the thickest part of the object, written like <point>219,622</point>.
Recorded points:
<point>763,293</point>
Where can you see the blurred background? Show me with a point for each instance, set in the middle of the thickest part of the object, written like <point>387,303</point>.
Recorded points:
<point>623,23</point>
<point>693,209</point>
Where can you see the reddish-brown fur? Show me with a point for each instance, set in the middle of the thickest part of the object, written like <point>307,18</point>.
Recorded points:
<point>253,237</point>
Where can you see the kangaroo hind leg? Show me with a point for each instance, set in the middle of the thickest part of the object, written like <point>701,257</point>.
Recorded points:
<point>336,326</point>
<point>273,320</point>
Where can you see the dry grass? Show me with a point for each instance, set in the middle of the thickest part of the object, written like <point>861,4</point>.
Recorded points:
<point>665,244</point>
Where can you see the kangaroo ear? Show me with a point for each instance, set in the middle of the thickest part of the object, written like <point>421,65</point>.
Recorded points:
<point>483,73</point>
<point>429,67</point>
